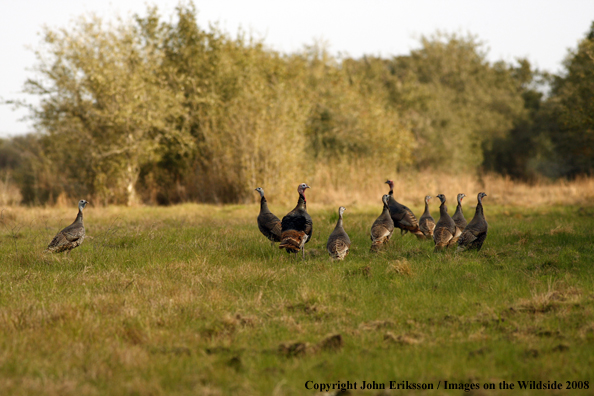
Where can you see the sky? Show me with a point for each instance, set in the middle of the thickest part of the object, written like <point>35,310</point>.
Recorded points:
<point>540,30</point>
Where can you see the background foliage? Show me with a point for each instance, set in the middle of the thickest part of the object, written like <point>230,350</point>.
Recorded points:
<point>162,110</point>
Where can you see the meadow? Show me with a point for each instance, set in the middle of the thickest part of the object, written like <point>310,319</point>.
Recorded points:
<point>192,300</point>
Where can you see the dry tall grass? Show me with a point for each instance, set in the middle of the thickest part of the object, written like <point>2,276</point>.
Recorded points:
<point>360,185</point>
<point>366,186</point>
<point>10,194</point>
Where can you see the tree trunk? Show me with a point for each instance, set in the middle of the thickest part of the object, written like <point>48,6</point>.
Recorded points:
<point>131,170</point>
<point>131,178</point>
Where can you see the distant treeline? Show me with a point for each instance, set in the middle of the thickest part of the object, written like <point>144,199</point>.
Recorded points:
<point>162,110</point>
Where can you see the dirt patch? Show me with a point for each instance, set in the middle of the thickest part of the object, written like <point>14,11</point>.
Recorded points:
<point>332,342</point>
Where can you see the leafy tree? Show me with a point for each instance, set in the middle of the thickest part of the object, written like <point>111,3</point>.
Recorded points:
<point>240,106</point>
<point>519,152</point>
<point>103,105</point>
<point>24,159</point>
<point>351,118</point>
<point>572,107</point>
<point>458,101</point>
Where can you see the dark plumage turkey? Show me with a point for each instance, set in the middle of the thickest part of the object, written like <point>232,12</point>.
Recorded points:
<point>296,226</point>
<point>475,233</point>
<point>268,224</point>
<point>445,229</point>
<point>338,242</point>
<point>71,236</point>
<point>426,222</point>
<point>458,216</point>
<point>402,216</point>
<point>382,227</point>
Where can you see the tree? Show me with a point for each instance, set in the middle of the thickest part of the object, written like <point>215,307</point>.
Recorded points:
<point>105,102</point>
<point>241,106</point>
<point>456,100</point>
<point>519,153</point>
<point>572,106</point>
<point>351,117</point>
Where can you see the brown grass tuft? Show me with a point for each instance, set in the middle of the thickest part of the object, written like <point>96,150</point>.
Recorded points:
<point>365,271</point>
<point>304,307</point>
<point>295,349</point>
<point>561,348</point>
<point>549,300</point>
<point>238,320</point>
<point>133,334</point>
<point>565,229</point>
<point>400,339</point>
<point>400,267</point>
<point>376,325</point>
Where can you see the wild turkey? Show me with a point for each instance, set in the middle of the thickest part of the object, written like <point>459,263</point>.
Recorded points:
<point>71,236</point>
<point>403,217</point>
<point>426,222</point>
<point>338,242</point>
<point>475,232</point>
<point>382,227</point>
<point>268,223</point>
<point>458,217</point>
<point>296,226</point>
<point>445,229</point>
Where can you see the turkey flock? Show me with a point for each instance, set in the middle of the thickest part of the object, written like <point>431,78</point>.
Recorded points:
<point>295,229</point>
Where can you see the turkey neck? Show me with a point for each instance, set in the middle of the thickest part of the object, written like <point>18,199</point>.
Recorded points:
<point>339,222</point>
<point>79,217</point>
<point>392,203</point>
<point>301,204</point>
<point>479,208</point>
<point>459,208</point>
<point>426,208</point>
<point>263,205</point>
<point>443,209</point>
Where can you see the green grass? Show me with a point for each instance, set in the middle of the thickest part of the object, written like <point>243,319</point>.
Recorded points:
<point>193,300</point>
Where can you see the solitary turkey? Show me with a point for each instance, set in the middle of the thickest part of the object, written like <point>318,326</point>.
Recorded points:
<point>458,217</point>
<point>382,227</point>
<point>71,236</point>
<point>403,217</point>
<point>296,226</point>
<point>268,223</point>
<point>475,232</point>
<point>426,222</point>
<point>338,242</point>
<point>445,229</point>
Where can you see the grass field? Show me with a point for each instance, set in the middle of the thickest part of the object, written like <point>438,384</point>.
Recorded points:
<point>192,300</point>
